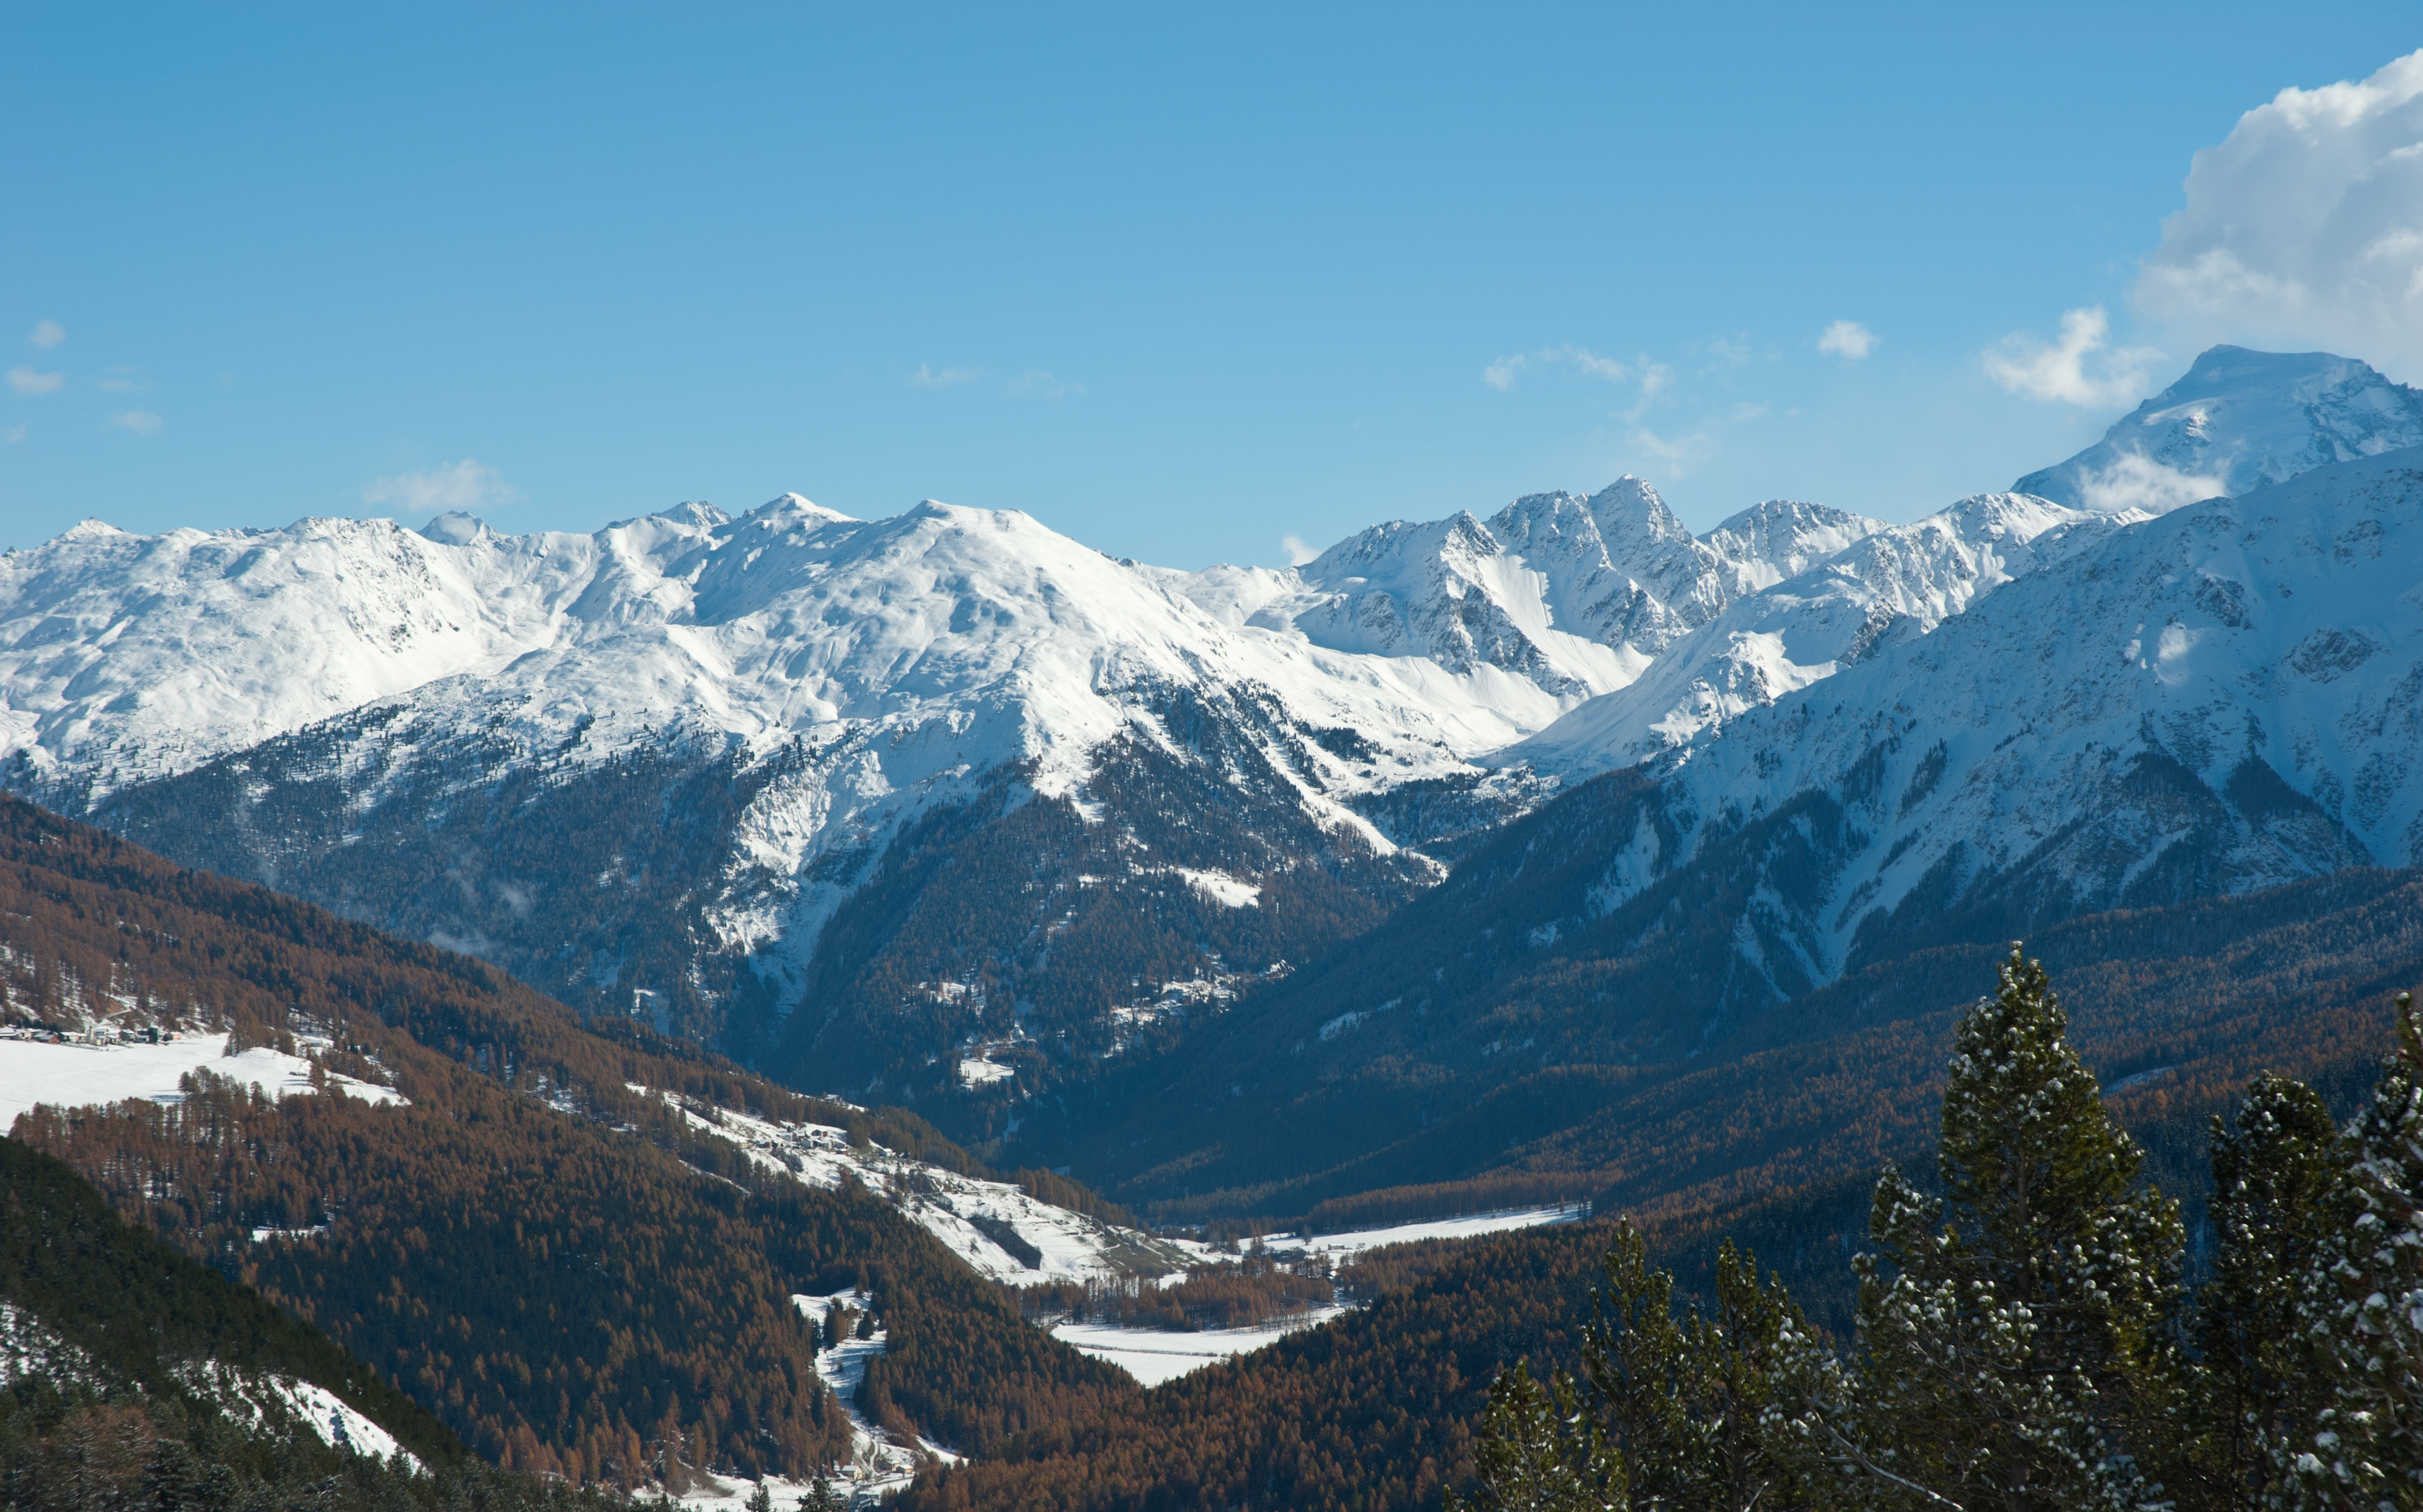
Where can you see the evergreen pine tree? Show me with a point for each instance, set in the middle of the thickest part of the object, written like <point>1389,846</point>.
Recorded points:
<point>2275,1179</point>
<point>2364,1306</point>
<point>821,1497</point>
<point>1723,1411</point>
<point>1537,1451</point>
<point>2018,1349</point>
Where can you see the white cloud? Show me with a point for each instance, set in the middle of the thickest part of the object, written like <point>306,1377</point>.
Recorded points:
<point>1846,339</point>
<point>1500,374</point>
<point>465,484</point>
<point>121,380</point>
<point>1298,552</point>
<point>13,434</point>
<point>1748,411</point>
<point>930,376</point>
<point>26,381</point>
<point>2058,372</point>
<point>2305,227</point>
<point>141,422</point>
<point>47,334</point>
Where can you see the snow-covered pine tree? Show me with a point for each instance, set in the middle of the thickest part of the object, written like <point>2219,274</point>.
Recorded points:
<point>2275,1179</point>
<point>2019,1349</point>
<point>1726,1411</point>
<point>2364,1306</point>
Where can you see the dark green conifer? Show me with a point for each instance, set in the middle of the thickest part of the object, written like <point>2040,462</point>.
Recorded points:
<point>2019,1332</point>
<point>2275,1177</point>
<point>1538,1451</point>
<point>2363,1306</point>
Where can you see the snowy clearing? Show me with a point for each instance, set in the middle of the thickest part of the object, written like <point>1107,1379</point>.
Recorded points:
<point>1153,1356</point>
<point>1471,1226</point>
<point>981,1073</point>
<point>83,1075</point>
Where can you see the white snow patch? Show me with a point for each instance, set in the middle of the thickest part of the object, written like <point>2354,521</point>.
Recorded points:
<point>334,1423</point>
<point>1221,888</point>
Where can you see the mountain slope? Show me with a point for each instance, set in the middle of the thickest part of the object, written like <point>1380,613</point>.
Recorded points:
<point>523,1146</point>
<point>2226,697</point>
<point>135,1315</point>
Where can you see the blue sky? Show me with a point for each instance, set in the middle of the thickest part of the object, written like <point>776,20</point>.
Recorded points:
<point>1181,282</point>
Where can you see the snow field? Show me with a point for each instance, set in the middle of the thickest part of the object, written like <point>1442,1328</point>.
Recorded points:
<point>1345,1246</point>
<point>1153,1356</point>
<point>36,1072</point>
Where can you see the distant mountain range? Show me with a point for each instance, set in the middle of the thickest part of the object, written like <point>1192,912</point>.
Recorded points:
<point>865,802</point>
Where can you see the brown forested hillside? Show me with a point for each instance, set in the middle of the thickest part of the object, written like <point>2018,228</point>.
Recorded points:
<point>2173,1006</point>
<point>541,1257</point>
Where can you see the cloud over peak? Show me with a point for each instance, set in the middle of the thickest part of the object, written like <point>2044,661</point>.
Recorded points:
<point>2304,227</point>
<point>466,485</point>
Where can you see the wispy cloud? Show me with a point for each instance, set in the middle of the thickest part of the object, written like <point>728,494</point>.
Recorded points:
<point>1299,551</point>
<point>47,334</point>
<point>141,422</point>
<point>13,434</point>
<point>930,376</point>
<point>1656,378</point>
<point>26,381</point>
<point>1846,339</point>
<point>1042,385</point>
<point>1500,374</point>
<point>1748,411</point>
<point>2058,371</point>
<point>119,380</point>
<point>1678,455</point>
<point>466,485</point>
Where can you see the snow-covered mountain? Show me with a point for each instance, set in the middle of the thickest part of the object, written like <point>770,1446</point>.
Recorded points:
<point>648,769</point>
<point>1578,596</point>
<point>2238,421</point>
<point>2223,698</point>
<point>967,791</point>
<point>1892,583</point>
